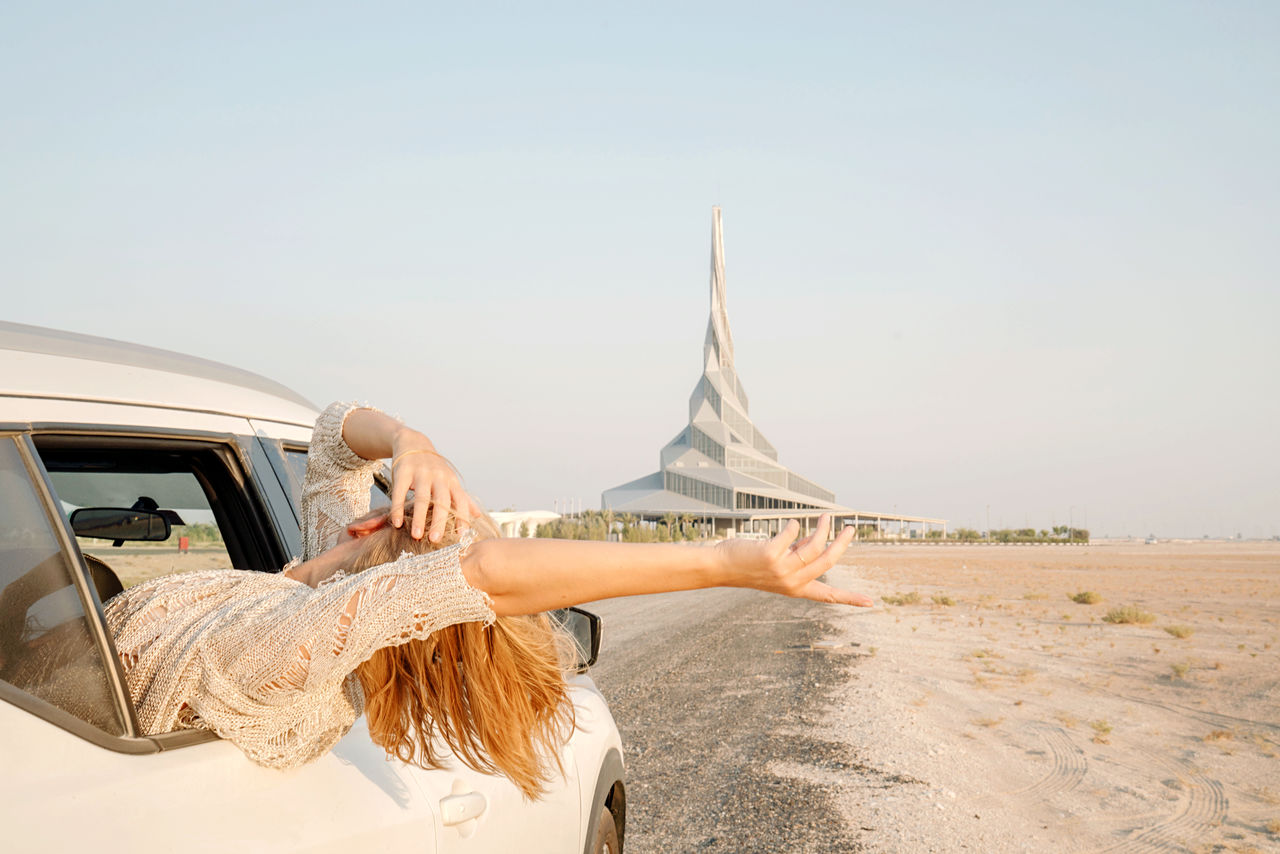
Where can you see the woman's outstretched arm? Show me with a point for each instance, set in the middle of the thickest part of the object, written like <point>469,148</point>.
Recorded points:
<point>525,576</point>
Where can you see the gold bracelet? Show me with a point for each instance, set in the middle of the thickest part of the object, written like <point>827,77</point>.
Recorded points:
<point>398,456</point>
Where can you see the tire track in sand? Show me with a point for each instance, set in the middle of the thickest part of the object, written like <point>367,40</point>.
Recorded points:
<point>1069,764</point>
<point>1204,809</point>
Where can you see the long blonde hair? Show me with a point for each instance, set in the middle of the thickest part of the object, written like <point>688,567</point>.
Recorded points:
<point>496,695</point>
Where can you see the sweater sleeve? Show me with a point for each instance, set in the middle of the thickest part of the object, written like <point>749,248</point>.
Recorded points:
<point>337,484</point>
<point>276,675</point>
<point>329,631</point>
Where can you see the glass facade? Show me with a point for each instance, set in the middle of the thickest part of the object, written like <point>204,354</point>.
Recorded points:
<point>750,501</point>
<point>701,490</point>
<point>767,472</point>
<point>796,483</point>
<point>707,445</point>
<point>739,424</point>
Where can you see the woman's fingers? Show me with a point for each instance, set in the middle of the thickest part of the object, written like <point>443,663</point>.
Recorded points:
<point>421,501</point>
<point>399,490</point>
<point>820,592</point>
<point>783,540</point>
<point>440,503</point>
<point>813,545</point>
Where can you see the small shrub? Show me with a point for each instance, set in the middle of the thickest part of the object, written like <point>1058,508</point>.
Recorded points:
<point>943,599</point>
<point>1035,596</point>
<point>1129,614</point>
<point>1101,731</point>
<point>987,722</point>
<point>1180,632</point>
<point>911,598</point>
<point>1087,597</point>
<point>985,653</point>
<point>1273,827</point>
<point>1180,670</point>
<point>1219,735</point>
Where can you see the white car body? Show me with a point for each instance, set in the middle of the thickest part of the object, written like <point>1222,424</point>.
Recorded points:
<point>69,785</point>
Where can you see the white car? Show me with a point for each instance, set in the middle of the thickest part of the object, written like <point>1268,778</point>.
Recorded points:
<point>216,455</point>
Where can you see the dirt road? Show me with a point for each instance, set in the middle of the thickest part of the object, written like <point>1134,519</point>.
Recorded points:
<point>710,690</point>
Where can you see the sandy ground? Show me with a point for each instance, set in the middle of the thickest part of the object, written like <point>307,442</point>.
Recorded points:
<point>135,564</point>
<point>1018,720</point>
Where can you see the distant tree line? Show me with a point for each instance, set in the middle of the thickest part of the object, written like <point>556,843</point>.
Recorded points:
<point>200,532</point>
<point>627,527</point>
<point>679,527</point>
<point>1058,534</point>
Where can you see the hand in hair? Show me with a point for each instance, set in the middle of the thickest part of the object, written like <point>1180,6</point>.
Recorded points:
<point>525,576</point>
<point>416,467</point>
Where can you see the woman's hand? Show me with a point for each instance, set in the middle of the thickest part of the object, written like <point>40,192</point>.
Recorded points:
<point>415,465</point>
<point>789,568</point>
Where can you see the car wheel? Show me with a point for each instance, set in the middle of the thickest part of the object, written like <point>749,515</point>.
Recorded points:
<point>606,841</point>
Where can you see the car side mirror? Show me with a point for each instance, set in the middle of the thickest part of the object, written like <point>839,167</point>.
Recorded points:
<point>585,629</point>
<point>119,523</point>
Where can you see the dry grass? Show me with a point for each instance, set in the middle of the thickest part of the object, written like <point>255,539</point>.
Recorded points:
<point>1273,827</point>
<point>1180,632</point>
<point>1035,596</point>
<point>912,598</point>
<point>1180,670</point>
<point>1219,735</point>
<point>1269,795</point>
<point>1101,731</point>
<point>1129,614</point>
<point>1087,597</point>
<point>1067,719</point>
<point>987,722</point>
<point>943,599</point>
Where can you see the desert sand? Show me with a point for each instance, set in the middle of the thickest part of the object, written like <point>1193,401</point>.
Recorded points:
<point>996,714</point>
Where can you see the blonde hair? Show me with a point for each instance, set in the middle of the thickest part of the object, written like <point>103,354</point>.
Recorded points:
<point>496,695</point>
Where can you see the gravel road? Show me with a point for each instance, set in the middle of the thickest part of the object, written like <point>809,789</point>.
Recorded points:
<point>711,690</point>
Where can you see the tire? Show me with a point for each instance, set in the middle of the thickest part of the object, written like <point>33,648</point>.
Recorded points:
<point>606,841</point>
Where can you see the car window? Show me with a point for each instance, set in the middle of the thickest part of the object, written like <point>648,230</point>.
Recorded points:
<point>47,648</point>
<point>195,541</point>
<point>296,463</point>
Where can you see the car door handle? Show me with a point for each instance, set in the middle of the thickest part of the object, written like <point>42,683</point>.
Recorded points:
<point>458,809</point>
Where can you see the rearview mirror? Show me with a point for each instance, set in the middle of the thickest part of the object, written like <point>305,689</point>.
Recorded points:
<point>118,523</point>
<point>585,629</point>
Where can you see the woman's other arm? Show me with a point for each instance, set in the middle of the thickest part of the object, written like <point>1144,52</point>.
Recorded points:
<point>525,576</point>
<point>415,464</point>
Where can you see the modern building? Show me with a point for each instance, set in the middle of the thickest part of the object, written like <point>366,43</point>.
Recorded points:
<point>720,468</point>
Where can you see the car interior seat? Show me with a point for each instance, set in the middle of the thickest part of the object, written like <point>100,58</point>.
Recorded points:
<point>104,578</point>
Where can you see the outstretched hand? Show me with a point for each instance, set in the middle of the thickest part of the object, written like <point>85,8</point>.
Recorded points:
<point>416,466</point>
<point>789,567</point>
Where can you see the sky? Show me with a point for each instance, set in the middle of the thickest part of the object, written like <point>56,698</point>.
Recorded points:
<point>984,260</point>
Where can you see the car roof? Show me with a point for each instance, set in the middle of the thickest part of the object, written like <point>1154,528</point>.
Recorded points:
<point>51,363</point>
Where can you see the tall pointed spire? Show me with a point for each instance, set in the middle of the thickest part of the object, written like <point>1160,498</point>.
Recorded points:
<point>719,339</point>
<point>719,462</point>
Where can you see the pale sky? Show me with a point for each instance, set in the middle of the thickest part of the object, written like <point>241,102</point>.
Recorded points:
<point>1012,255</point>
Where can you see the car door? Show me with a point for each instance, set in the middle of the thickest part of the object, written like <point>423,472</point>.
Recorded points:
<point>504,819</point>
<point>78,772</point>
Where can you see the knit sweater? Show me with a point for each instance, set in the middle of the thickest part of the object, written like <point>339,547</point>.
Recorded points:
<point>268,662</point>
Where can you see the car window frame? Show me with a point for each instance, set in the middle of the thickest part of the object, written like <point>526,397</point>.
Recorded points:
<point>130,741</point>
<point>237,453</point>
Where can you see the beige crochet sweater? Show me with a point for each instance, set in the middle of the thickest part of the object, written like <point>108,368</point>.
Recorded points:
<point>266,661</point>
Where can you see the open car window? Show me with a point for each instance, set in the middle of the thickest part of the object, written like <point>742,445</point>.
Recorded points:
<point>197,488</point>
<point>194,540</point>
